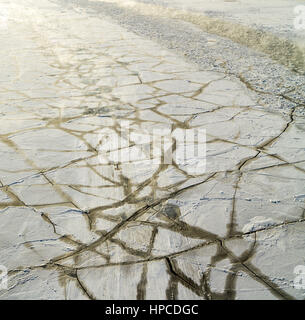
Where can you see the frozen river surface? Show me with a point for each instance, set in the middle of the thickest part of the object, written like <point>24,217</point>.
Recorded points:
<point>93,205</point>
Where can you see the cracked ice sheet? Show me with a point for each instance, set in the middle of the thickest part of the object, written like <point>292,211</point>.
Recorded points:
<point>75,227</point>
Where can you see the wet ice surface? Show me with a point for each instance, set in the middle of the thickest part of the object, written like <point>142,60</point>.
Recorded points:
<point>76,227</point>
